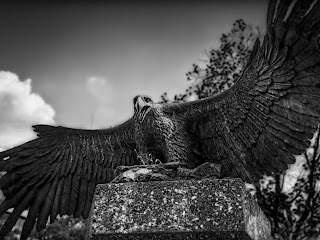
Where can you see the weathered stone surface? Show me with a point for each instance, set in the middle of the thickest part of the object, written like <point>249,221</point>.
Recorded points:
<point>171,171</point>
<point>189,209</point>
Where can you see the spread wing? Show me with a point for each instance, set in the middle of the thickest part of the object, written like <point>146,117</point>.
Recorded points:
<point>255,127</point>
<point>57,172</point>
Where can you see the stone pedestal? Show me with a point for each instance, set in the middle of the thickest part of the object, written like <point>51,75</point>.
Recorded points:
<point>189,209</point>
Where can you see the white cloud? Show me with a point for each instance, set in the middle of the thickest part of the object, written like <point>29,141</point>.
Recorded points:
<point>100,89</point>
<point>19,109</point>
<point>103,92</point>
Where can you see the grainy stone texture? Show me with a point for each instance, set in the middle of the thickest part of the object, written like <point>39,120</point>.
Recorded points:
<point>188,209</point>
<point>171,171</point>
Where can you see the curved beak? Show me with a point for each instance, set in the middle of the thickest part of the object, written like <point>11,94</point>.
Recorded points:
<point>140,103</point>
<point>142,108</point>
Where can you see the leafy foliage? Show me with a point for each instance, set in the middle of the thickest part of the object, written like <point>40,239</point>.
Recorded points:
<point>294,213</point>
<point>65,228</point>
<point>222,66</point>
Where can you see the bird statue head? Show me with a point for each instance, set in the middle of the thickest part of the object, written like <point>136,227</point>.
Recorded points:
<point>142,105</point>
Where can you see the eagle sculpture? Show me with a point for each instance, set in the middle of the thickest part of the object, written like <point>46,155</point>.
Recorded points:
<point>252,129</point>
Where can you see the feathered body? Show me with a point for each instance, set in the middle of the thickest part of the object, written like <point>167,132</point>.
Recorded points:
<point>164,137</point>
<point>252,129</point>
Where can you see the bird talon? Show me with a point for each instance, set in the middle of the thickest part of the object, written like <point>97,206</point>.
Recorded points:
<point>140,158</point>
<point>157,161</point>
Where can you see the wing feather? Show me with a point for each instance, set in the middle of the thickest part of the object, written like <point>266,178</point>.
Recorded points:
<point>34,211</point>
<point>48,204</point>
<point>82,200</point>
<point>14,216</point>
<point>59,170</point>
<point>273,109</point>
<point>75,187</point>
<point>65,197</point>
<point>90,195</point>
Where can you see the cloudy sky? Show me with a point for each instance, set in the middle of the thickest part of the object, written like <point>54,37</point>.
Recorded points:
<point>81,64</point>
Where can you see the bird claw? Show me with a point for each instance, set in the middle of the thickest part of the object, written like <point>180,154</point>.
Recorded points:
<point>140,158</point>
<point>157,161</point>
<point>146,159</point>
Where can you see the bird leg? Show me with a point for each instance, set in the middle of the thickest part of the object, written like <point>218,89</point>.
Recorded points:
<point>146,158</point>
